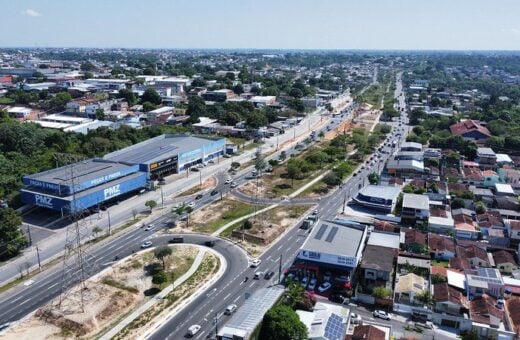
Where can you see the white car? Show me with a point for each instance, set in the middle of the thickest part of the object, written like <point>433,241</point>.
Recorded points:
<point>234,184</point>
<point>354,318</point>
<point>229,180</point>
<point>149,227</point>
<point>194,329</point>
<point>312,284</point>
<point>230,309</point>
<point>324,287</point>
<point>381,314</point>
<point>255,263</point>
<point>191,204</point>
<point>146,244</point>
<point>304,282</point>
<point>258,275</point>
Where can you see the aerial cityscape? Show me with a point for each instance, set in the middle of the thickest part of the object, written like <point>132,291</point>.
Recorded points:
<point>260,170</point>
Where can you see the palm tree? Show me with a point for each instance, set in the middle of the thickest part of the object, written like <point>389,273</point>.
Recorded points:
<point>294,295</point>
<point>161,253</point>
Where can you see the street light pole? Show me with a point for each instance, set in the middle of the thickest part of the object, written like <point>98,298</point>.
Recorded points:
<point>162,197</point>
<point>109,223</point>
<point>280,270</point>
<point>38,256</point>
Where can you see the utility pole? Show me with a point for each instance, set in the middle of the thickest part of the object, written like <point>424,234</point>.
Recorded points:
<point>109,224</point>
<point>38,256</point>
<point>280,270</point>
<point>29,233</point>
<point>200,178</point>
<point>344,202</point>
<point>216,323</point>
<point>162,197</point>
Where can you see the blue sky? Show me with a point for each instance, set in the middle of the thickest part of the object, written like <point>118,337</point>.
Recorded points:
<point>323,24</point>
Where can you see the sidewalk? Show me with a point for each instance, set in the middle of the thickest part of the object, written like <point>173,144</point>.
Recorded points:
<point>143,308</point>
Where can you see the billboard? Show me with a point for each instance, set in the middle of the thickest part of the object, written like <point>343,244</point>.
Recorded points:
<point>338,260</point>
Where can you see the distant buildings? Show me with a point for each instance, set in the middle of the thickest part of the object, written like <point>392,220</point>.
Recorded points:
<point>470,130</point>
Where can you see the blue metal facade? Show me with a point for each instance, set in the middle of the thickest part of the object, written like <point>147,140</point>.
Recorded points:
<point>85,200</point>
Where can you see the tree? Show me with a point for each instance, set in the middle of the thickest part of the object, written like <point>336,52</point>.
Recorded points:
<point>480,207</point>
<point>296,93</point>
<point>247,224</point>
<point>150,95</point>
<point>282,156</point>
<point>147,107</point>
<point>231,118</point>
<point>260,163</point>
<point>373,178</point>
<point>12,240</point>
<point>150,204</point>
<point>196,108</point>
<point>282,323</point>
<point>331,179</point>
<point>100,114</point>
<point>60,100</point>
<point>457,203</point>
<point>159,278</point>
<point>425,297</point>
<point>296,104</point>
<point>256,119</point>
<point>162,253</point>
<point>321,134</point>
<point>88,75</point>
<point>438,278</point>
<point>127,95</point>
<point>238,89</point>
<point>294,169</point>
<point>381,292</point>
<point>134,213</point>
<point>96,230</point>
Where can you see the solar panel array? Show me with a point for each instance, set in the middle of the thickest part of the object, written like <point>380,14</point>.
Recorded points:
<point>336,328</point>
<point>331,234</point>
<point>321,231</point>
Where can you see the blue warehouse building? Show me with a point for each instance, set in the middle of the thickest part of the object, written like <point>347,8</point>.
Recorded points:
<point>95,182</point>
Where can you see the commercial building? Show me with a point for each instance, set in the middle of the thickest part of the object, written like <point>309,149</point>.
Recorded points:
<point>242,325</point>
<point>334,245</point>
<point>378,197</point>
<point>415,207</point>
<point>96,182</point>
<point>169,154</point>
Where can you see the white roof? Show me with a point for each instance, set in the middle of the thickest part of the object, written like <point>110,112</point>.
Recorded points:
<point>162,110</point>
<point>416,201</point>
<point>65,119</point>
<point>263,98</point>
<point>20,110</point>
<point>203,121</point>
<point>316,321</point>
<point>504,188</point>
<point>456,279</point>
<point>503,158</point>
<point>382,239</point>
<point>441,221</point>
<point>51,125</point>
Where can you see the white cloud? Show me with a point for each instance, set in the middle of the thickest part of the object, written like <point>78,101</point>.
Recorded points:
<point>31,13</point>
<point>515,31</point>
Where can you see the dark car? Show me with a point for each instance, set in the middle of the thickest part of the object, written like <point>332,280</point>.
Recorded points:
<point>198,197</point>
<point>209,243</point>
<point>177,239</point>
<point>214,192</point>
<point>268,275</point>
<point>194,169</point>
<point>338,298</point>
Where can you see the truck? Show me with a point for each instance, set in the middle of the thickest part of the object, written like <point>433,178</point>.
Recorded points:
<point>308,222</point>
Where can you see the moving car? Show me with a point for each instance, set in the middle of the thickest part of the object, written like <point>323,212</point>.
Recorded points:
<point>324,287</point>
<point>193,329</point>
<point>194,169</point>
<point>209,243</point>
<point>230,309</point>
<point>255,263</point>
<point>191,204</point>
<point>177,239</point>
<point>268,275</point>
<point>381,314</point>
<point>146,244</point>
<point>198,197</point>
<point>214,192</point>
<point>228,180</point>
<point>258,275</point>
<point>149,227</point>
<point>234,184</point>
<point>355,319</point>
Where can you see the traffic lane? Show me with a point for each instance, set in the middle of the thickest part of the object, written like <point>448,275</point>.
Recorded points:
<point>234,291</point>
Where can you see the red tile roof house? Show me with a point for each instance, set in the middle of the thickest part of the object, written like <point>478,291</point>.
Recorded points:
<point>477,256</point>
<point>449,299</point>
<point>514,232</point>
<point>513,311</point>
<point>366,332</point>
<point>441,247</point>
<point>414,241</point>
<point>488,319</point>
<point>505,261</point>
<point>470,130</point>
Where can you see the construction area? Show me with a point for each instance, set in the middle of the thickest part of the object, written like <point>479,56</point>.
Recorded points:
<point>111,295</point>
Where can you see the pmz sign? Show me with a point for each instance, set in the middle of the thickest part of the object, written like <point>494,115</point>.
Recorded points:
<point>43,201</point>
<point>113,191</point>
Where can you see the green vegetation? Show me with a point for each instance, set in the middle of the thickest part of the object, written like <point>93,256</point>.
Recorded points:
<point>119,285</point>
<point>282,323</point>
<point>12,240</point>
<point>381,292</point>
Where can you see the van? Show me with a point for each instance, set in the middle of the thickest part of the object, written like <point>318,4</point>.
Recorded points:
<point>177,239</point>
<point>193,329</point>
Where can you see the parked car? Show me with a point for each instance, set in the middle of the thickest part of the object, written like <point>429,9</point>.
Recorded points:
<point>255,263</point>
<point>312,284</point>
<point>146,244</point>
<point>305,281</point>
<point>177,239</point>
<point>338,298</point>
<point>427,324</point>
<point>381,314</point>
<point>324,287</point>
<point>193,329</point>
<point>230,309</point>
<point>326,276</point>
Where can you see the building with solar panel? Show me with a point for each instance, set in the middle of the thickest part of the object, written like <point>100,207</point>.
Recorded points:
<point>334,245</point>
<point>95,182</point>
<point>327,321</point>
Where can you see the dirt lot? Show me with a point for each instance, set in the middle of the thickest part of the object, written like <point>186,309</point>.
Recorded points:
<point>208,183</point>
<point>267,226</point>
<point>211,217</point>
<point>109,296</point>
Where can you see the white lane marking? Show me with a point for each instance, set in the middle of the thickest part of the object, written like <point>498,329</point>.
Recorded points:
<point>225,298</point>
<point>251,285</point>
<point>236,299</point>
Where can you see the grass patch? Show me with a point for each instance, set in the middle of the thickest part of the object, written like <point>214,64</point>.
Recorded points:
<point>190,192</point>
<point>119,285</point>
<point>228,210</point>
<point>444,264</point>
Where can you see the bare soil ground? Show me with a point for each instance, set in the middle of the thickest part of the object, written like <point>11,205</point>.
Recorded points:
<point>208,183</point>
<point>269,225</point>
<point>109,296</point>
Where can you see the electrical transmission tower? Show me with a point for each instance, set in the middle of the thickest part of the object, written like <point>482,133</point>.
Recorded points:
<point>78,264</point>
